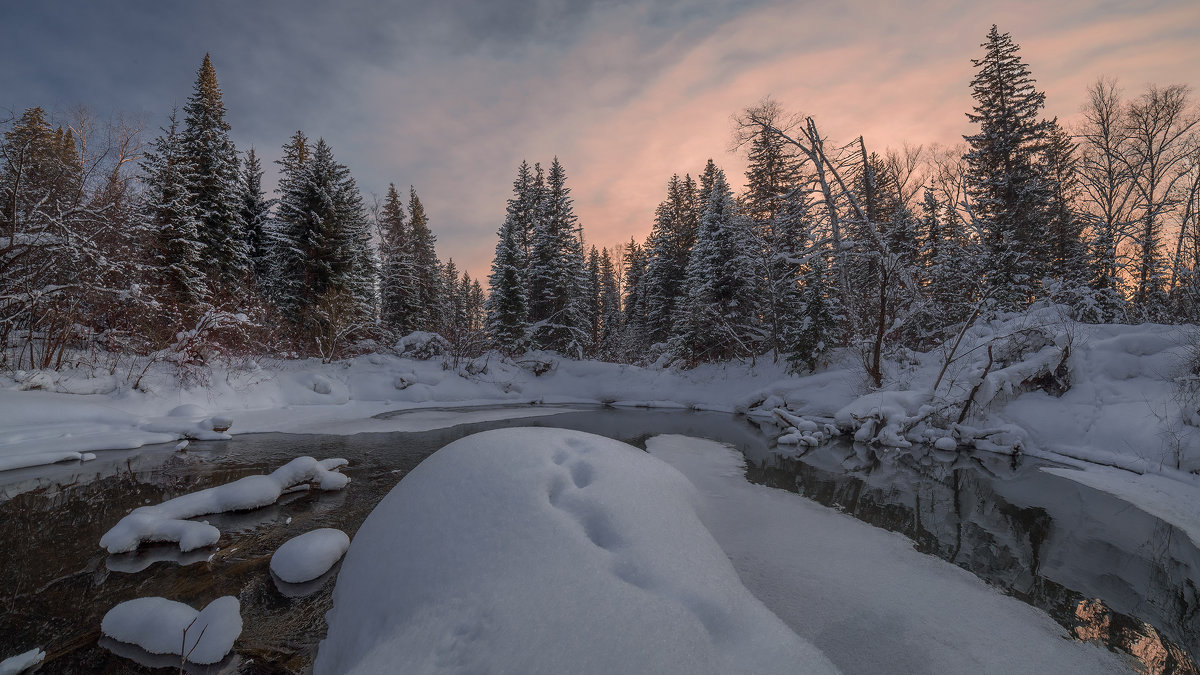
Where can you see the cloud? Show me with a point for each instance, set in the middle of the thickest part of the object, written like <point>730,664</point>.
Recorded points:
<point>451,96</point>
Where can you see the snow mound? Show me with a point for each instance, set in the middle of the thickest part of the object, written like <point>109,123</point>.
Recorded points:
<point>545,550</point>
<point>162,626</point>
<point>309,555</point>
<point>20,663</point>
<point>865,596</point>
<point>168,521</point>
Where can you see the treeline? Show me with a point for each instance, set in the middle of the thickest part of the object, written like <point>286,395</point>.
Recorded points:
<point>834,245</point>
<point>174,249</point>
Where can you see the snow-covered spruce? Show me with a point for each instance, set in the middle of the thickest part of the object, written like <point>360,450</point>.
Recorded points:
<point>545,550</point>
<point>308,556</point>
<point>168,521</point>
<point>14,665</point>
<point>162,626</point>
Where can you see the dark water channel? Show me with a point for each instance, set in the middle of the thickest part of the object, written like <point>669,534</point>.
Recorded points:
<point>1103,569</point>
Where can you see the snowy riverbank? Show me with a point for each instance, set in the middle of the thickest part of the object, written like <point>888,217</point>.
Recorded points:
<point>1037,384</point>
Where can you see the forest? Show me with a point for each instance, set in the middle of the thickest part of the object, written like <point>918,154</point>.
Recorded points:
<point>118,248</point>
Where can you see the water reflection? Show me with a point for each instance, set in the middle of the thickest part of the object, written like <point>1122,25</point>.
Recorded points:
<point>1091,561</point>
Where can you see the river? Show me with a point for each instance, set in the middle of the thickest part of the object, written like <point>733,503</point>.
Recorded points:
<point>1101,568</point>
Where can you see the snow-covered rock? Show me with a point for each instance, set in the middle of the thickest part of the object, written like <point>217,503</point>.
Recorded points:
<point>14,665</point>
<point>162,626</point>
<point>308,556</point>
<point>168,521</point>
<point>544,550</point>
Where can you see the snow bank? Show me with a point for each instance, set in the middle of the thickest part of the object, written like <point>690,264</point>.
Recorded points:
<point>308,556</point>
<point>162,626</point>
<point>38,427</point>
<point>863,595</point>
<point>1106,394</point>
<point>544,550</point>
<point>168,521</point>
<point>14,665</point>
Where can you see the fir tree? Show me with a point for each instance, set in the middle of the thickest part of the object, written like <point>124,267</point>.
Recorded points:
<point>214,183</point>
<point>1003,179</point>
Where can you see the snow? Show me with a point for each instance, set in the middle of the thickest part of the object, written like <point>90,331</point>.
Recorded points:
<point>168,521</point>
<point>862,595</point>
<point>162,626</point>
<point>14,665</point>
<point>308,556</point>
<point>544,550</point>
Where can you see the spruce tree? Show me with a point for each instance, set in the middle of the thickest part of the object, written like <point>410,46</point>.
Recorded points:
<point>398,309</point>
<point>452,312</point>
<point>507,303</point>
<point>718,319</point>
<point>1009,192</point>
<point>176,248</point>
<point>285,252</point>
<point>610,308</point>
<point>427,284</point>
<point>591,301</point>
<point>557,279</point>
<point>633,304</point>
<point>945,270</point>
<point>255,213</point>
<point>815,333</point>
<point>667,250</point>
<point>777,208</point>
<point>324,237</point>
<point>214,184</point>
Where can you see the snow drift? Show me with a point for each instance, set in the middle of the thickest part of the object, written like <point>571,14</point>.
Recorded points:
<point>544,550</point>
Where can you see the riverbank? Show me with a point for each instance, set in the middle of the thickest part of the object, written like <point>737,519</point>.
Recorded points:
<point>1111,399</point>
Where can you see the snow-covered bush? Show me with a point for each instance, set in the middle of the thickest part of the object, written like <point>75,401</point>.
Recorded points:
<point>421,345</point>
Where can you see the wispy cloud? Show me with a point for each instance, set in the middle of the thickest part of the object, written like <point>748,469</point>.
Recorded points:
<point>451,96</point>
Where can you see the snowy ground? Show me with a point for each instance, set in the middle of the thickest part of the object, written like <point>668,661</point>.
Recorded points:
<point>1114,412</point>
<point>1122,404</point>
<point>543,550</point>
<point>547,551</point>
<point>862,595</point>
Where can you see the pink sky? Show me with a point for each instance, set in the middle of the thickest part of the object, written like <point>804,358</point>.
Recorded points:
<point>624,106</point>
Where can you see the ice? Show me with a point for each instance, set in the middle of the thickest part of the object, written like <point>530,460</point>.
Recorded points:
<point>862,595</point>
<point>308,556</point>
<point>544,550</point>
<point>162,626</point>
<point>20,663</point>
<point>168,521</point>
